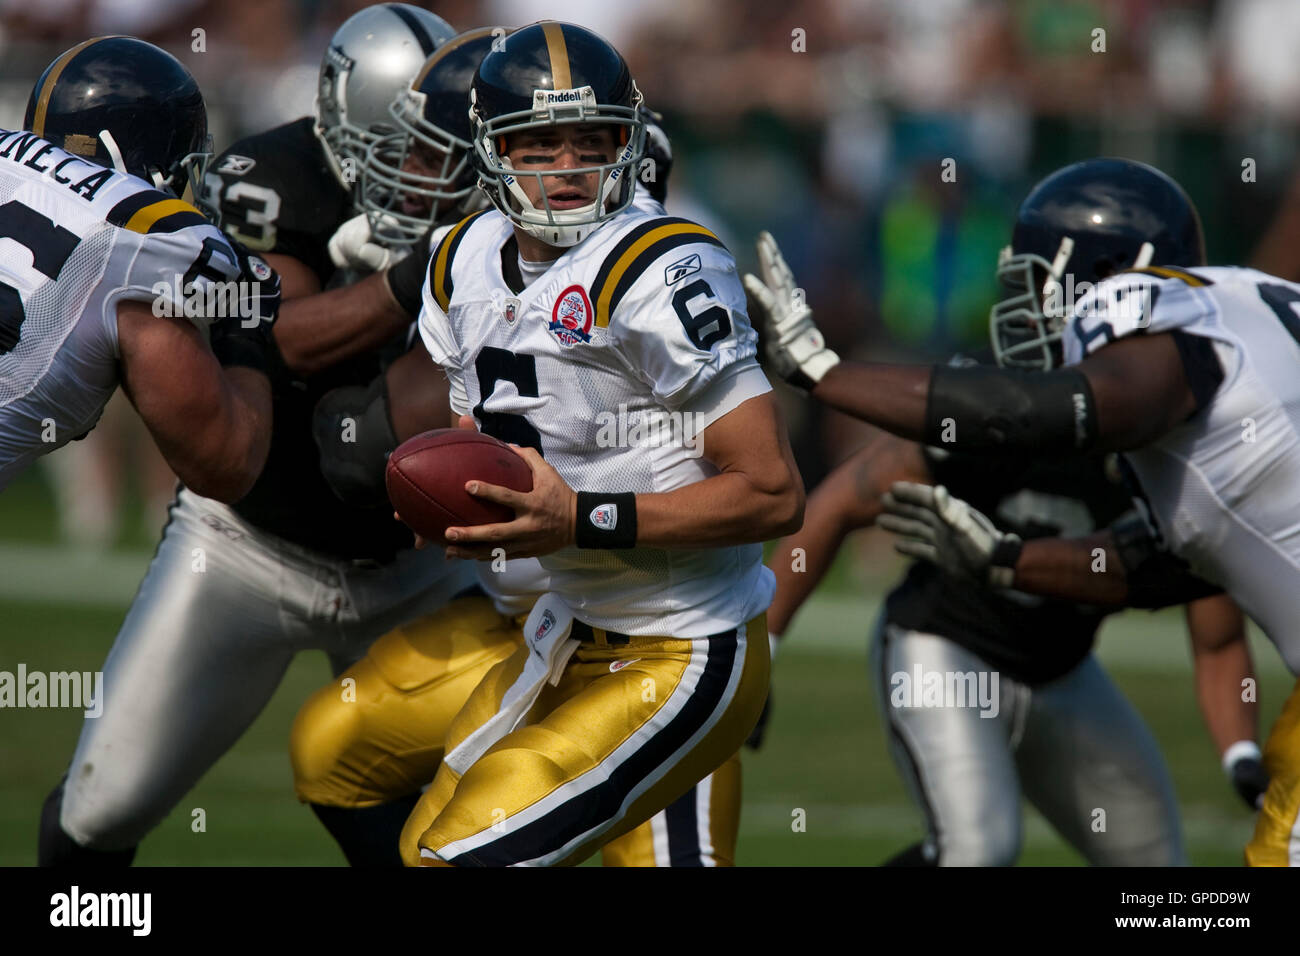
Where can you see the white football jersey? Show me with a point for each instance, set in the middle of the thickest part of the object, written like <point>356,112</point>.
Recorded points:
<point>1224,486</point>
<point>75,240</point>
<point>610,363</point>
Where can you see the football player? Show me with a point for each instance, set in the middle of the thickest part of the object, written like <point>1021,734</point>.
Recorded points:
<point>108,278</point>
<point>644,666</point>
<point>1050,723</point>
<point>234,592</point>
<point>362,760</point>
<point>1189,370</point>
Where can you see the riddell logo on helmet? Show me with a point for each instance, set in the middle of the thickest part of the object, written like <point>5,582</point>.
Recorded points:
<point>582,96</point>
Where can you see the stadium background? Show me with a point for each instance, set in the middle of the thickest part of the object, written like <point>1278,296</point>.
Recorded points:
<point>837,148</point>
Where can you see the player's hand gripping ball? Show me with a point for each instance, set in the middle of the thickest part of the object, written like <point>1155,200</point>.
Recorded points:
<point>426,478</point>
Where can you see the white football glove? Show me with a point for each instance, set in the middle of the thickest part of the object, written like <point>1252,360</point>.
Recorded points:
<point>946,531</point>
<point>795,347</point>
<point>352,248</point>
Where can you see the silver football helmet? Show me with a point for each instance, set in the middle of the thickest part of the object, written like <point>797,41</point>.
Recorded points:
<point>371,58</point>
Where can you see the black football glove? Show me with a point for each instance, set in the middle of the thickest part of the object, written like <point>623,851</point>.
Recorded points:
<point>354,435</point>
<point>246,338</point>
<point>1249,778</point>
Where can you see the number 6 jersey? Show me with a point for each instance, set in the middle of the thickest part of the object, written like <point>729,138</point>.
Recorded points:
<point>1224,485</point>
<point>75,240</point>
<point>610,363</point>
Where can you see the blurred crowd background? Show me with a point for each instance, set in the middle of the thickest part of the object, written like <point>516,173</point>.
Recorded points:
<point>830,123</point>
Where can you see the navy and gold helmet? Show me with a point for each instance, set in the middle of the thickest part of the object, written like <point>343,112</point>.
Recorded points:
<point>422,174</point>
<point>126,104</point>
<point>1081,224</point>
<point>551,74</point>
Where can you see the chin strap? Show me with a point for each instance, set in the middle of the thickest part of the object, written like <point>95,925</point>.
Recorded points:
<point>114,153</point>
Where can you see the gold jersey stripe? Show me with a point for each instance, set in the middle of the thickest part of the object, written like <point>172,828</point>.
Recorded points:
<point>145,218</point>
<point>1167,272</point>
<point>561,78</point>
<point>605,294</point>
<point>442,262</point>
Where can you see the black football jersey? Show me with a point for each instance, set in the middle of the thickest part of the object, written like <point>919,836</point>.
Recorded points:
<point>277,194</point>
<point>1031,638</point>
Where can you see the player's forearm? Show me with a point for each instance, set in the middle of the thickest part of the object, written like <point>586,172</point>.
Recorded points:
<point>730,508</point>
<point>893,397</point>
<point>1221,661</point>
<point>219,447</point>
<point>1220,677</point>
<point>1084,570</point>
<point>801,560</point>
<point>318,331</point>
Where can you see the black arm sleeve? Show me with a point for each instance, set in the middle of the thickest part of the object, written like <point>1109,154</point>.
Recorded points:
<point>981,408</point>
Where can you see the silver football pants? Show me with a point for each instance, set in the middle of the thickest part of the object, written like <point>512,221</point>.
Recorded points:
<point>969,740</point>
<point>220,614</point>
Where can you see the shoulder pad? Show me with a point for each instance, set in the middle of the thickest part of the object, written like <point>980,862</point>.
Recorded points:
<point>152,211</point>
<point>635,251</point>
<point>440,281</point>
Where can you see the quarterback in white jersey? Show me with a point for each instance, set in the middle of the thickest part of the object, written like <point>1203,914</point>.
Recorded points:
<point>105,279</point>
<point>611,346</point>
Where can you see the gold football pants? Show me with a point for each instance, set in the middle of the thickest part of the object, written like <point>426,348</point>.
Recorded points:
<point>628,729</point>
<point>1277,828</point>
<point>376,734</point>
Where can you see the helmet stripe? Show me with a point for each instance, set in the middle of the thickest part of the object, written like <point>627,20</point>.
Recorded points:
<point>43,101</point>
<point>442,51</point>
<point>422,37</point>
<point>561,77</point>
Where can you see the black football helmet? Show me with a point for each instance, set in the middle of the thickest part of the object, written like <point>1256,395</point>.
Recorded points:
<point>124,103</point>
<point>422,173</point>
<point>1081,224</point>
<point>550,74</point>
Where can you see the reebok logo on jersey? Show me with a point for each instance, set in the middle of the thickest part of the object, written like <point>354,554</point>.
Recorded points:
<point>571,317</point>
<point>236,165</point>
<point>679,270</point>
<point>605,517</point>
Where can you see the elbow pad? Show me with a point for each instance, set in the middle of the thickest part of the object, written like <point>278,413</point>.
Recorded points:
<point>354,435</point>
<point>1155,578</point>
<point>984,408</point>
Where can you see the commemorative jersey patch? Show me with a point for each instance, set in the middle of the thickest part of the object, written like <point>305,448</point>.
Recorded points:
<point>571,317</point>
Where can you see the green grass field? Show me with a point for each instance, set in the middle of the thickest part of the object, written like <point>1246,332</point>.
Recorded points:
<point>825,752</point>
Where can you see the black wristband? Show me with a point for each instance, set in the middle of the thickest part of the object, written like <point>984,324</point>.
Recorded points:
<point>406,278</point>
<point>606,520</point>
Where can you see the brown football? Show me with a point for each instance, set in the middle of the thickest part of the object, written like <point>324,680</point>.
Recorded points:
<point>426,478</point>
